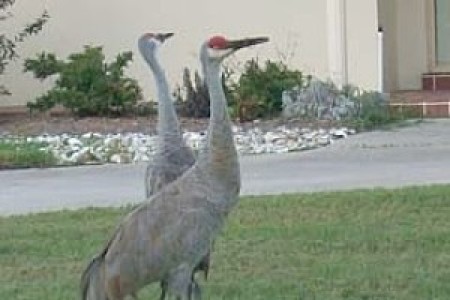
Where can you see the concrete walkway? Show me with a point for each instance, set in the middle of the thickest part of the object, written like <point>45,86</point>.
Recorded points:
<point>411,155</point>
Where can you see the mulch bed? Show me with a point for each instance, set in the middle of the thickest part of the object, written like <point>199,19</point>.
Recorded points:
<point>26,125</point>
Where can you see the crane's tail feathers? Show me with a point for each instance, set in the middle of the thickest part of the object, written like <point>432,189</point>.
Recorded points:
<point>92,287</point>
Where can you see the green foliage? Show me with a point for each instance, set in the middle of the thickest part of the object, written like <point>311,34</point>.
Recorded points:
<point>145,108</point>
<point>9,43</point>
<point>45,65</point>
<point>258,91</point>
<point>86,84</point>
<point>373,109</point>
<point>22,154</point>
<point>193,98</point>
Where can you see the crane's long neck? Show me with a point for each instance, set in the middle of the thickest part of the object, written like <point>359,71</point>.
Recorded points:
<point>219,112</point>
<point>168,124</point>
<point>220,155</point>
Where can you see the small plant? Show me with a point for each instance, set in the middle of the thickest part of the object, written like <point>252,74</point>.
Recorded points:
<point>195,103</point>
<point>145,109</point>
<point>86,85</point>
<point>22,154</point>
<point>258,91</point>
<point>372,109</point>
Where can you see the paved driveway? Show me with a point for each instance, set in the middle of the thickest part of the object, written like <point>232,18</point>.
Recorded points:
<point>404,156</point>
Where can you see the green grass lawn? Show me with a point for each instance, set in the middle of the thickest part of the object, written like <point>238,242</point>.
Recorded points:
<point>24,154</point>
<point>382,244</point>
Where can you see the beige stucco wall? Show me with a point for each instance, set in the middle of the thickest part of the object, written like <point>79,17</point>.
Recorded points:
<point>297,28</point>
<point>407,30</point>
<point>411,43</point>
<point>362,53</point>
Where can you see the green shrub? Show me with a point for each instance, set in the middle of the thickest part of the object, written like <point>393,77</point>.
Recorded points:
<point>193,98</point>
<point>372,108</point>
<point>24,155</point>
<point>257,93</point>
<point>145,109</point>
<point>86,84</point>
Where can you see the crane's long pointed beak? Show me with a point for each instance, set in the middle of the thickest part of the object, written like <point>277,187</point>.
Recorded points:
<point>239,44</point>
<point>164,36</point>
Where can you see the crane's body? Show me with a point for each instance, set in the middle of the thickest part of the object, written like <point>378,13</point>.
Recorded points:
<point>178,227</point>
<point>167,236</point>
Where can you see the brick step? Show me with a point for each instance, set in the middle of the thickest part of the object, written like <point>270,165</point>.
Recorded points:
<point>425,104</point>
<point>439,81</point>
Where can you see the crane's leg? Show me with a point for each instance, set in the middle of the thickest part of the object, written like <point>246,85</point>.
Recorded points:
<point>164,287</point>
<point>180,282</point>
<point>195,292</point>
<point>194,288</point>
<point>204,264</point>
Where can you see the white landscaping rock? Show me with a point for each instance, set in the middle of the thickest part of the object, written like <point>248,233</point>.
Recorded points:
<point>121,158</point>
<point>137,147</point>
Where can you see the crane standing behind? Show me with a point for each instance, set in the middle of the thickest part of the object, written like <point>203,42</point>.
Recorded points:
<point>173,156</point>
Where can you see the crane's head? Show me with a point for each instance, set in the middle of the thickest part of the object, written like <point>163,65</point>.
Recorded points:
<point>149,42</point>
<point>218,47</point>
<point>157,38</point>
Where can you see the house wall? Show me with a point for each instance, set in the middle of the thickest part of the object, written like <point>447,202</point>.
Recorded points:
<point>297,29</point>
<point>362,53</point>
<point>407,34</point>
<point>411,43</point>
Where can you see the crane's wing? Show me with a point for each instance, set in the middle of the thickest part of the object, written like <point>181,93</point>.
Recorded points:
<point>176,225</point>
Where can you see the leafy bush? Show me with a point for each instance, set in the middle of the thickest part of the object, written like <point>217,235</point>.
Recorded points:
<point>257,93</point>
<point>372,108</point>
<point>195,103</point>
<point>86,85</point>
<point>22,154</point>
<point>145,109</point>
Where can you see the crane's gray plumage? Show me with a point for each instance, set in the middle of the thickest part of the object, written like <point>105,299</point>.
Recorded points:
<point>167,236</point>
<point>173,156</point>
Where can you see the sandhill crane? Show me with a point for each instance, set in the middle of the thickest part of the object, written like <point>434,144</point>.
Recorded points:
<point>167,236</point>
<point>173,156</point>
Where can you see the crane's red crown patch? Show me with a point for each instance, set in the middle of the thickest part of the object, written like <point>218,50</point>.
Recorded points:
<point>217,42</point>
